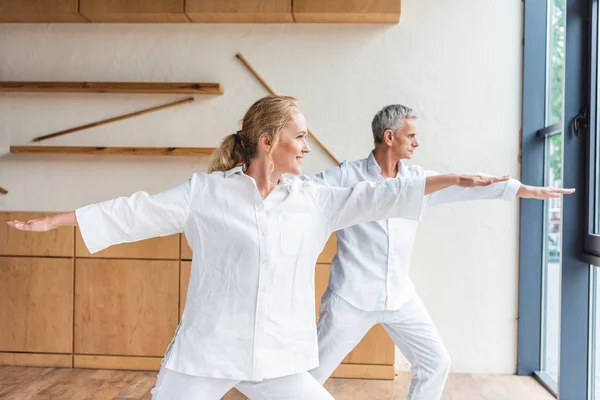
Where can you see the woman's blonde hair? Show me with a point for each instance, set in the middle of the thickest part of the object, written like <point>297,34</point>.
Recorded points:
<point>268,116</point>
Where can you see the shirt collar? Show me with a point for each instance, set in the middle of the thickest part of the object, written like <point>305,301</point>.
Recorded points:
<point>284,181</point>
<point>233,171</point>
<point>372,165</point>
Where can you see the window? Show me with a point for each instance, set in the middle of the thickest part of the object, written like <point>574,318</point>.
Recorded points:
<point>553,168</point>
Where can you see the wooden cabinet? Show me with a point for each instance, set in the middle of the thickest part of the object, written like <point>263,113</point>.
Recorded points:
<point>118,308</point>
<point>133,10</point>
<point>371,11</point>
<point>239,10</point>
<point>40,11</point>
<point>186,11</point>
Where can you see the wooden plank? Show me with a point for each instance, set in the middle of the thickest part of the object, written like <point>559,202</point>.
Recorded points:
<point>124,151</point>
<point>40,11</point>
<point>162,248</point>
<point>365,371</point>
<point>112,119</point>
<point>350,11</point>
<point>13,242</point>
<point>186,250</point>
<point>260,11</point>
<point>37,360</point>
<point>36,295</point>
<point>117,362</point>
<point>125,307</point>
<point>113,87</point>
<point>133,10</point>
<point>329,251</point>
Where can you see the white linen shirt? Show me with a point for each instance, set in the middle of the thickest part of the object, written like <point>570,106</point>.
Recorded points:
<point>250,308</point>
<point>371,267</point>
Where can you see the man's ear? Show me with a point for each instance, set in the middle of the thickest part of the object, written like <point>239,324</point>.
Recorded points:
<point>264,141</point>
<point>388,137</point>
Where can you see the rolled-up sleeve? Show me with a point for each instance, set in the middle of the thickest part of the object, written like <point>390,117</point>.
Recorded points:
<point>370,201</point>
<point>138,217</point>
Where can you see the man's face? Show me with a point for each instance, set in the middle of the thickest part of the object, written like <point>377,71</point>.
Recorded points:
<point>405,141</point>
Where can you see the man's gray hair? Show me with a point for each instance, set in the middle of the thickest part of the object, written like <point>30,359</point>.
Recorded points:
<point>390,117</point>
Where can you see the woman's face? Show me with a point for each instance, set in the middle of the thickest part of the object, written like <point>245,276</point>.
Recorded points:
<point>288,153</point>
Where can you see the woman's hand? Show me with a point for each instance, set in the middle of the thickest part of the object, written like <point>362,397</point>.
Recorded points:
<point>46,223</point>
<point>34,225</point>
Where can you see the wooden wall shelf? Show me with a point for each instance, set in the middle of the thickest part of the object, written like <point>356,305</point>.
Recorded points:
<point>113,87</point>
<point>129,151</point>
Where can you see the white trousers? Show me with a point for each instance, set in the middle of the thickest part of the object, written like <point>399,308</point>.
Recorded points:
<point>172,385</point>
<point>341,326</point>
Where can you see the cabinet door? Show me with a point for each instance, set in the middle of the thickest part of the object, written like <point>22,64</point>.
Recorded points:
<point>239,10</point>
<point>40,11</point>
<point>125,307</point>
<point>372,11</point>
<point>36,298</point>
<point>133,10</point>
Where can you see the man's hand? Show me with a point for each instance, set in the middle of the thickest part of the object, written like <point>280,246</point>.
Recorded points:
<point>542,193</point>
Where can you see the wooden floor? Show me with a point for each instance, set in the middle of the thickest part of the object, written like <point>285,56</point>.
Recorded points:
<point>21,383</point>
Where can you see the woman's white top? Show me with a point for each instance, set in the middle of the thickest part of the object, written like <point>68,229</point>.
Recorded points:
<point>250,308</point>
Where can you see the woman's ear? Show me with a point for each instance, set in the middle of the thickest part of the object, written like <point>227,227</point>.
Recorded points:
<point>264,141</point>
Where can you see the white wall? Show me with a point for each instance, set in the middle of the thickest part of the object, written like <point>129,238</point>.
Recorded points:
<point>457,62</point>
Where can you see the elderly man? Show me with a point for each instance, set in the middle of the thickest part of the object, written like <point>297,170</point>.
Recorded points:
<point>369,282</point>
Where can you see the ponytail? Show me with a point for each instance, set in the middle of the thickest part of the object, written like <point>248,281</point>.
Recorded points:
<point>228,155</point>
